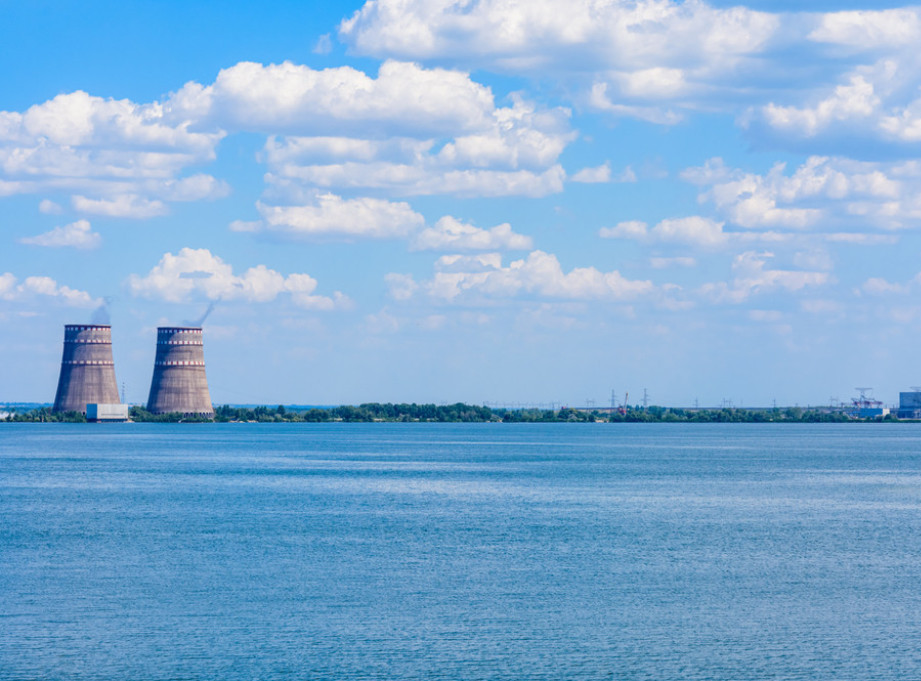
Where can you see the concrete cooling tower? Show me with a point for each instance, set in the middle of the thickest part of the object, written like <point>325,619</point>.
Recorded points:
<point>87,369</point>
<point>179,383</point>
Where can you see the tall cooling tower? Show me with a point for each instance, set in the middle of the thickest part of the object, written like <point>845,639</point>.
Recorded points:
<point>179,383</point>
<point>87,369</point>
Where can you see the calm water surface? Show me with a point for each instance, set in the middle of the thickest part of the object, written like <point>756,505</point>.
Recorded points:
<point>417,551</point>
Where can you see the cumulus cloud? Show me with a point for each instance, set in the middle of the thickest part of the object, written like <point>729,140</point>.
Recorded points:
<point>877,286</point>
<point>401,286</point>
<point>77,234</point>
<point>869,30</point>
<point>104,148</point>
<point>882,287</point>
<point>294,99</point>
<point>872,110</point>
<point>450,234</point>
<point>416,180</point>
<point>751,276</point>
<point>331,215</point>
<point>626,56</point>
<point>659,60</point>
<point>596,175</point>
<point>123,206</point>
<point>459,277</point>
<point>44,287</point>
<point>851,103</point>
<point>822,190</point>
<point>629,229</point>
<point>49,207</point>
<point>507,151</point>
<point>125,159</point>
<point>625,36</point>
<point>198,274</point>
<point>693,230</point>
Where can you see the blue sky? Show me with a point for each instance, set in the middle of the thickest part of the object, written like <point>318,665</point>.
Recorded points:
<point>408,200</point>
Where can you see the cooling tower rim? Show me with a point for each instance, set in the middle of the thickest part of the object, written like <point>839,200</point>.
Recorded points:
<point>179,328</point>
<point>87,327</point>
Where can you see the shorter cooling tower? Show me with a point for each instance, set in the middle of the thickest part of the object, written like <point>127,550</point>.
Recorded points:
<point>179,383</point>
<point>87,369</point>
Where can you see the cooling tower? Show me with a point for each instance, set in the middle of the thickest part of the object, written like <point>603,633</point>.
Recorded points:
<point>87,369</point>
<point>179,383</point>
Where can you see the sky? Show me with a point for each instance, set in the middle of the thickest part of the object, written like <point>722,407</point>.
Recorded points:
<point>489,201</point>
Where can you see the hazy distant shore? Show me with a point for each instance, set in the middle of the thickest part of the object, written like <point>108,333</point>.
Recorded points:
<point>465,413</point>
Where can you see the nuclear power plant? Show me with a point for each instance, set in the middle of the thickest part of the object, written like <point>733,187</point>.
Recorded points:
<point>87,369</point>
<point>179,383</point>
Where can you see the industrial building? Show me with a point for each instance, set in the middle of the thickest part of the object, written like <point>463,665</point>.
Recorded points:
<point>910,405</point>
<point>106,413</point>
<point>179,383</point>
<point>87,368</point>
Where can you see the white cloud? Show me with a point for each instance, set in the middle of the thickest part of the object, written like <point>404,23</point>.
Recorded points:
<point>867,30</point>
<point>822,190</point>
<point>507,151</point>
<point>630,229</point>
<point>77,234</point>
<point>539,274</point>
<point>411,180</point>
<point>600,98</point>
<point>451,234</point>
<point>626,175</point>
<point>31,287</point>
<point>874,111</point>
<point>193,188</point>
<point>331,215</point>
<point>410,130</point>
<point>123,206</point>
<point>853,101</point>
<point>596,175</point>
<point>653,83</point>
<point>530,35</point>
<point>197,273</point>
<point>660,263</point>
<point>102,148</point>
<point>619,53</point>
<point>324,44</point>
<point>401,286</point>
<point>49,207</point>
<point>877,286</point>
<point>246,225</point>
<point>750,277</point>
<point>7,282</point>
<point>660,60</point>
<point>294,99</point>
<point>693,230</point>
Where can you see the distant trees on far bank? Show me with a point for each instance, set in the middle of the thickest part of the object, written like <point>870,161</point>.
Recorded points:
<point>462,413</point>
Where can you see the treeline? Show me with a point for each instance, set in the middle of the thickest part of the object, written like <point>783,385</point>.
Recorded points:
<point>466,413</point>
<point>45,415</point>
<point>462,413</point>
<point>453,413</point>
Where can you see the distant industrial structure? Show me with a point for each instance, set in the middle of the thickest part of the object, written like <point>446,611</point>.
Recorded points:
<point>179,383</point>
<point>910,404</point>
<point>87,368</point>
<point>865,407</point>
<point>106,413</point>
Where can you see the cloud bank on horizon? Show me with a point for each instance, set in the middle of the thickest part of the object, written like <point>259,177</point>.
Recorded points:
<point>645,178</point>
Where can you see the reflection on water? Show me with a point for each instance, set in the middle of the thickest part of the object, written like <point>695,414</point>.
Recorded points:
<point>417,551</point>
